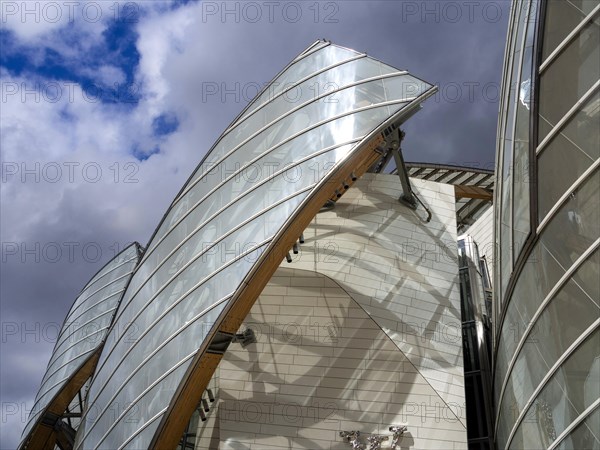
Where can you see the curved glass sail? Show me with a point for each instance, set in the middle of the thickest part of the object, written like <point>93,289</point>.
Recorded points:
<point>318,112</point>
<point>84,329</point>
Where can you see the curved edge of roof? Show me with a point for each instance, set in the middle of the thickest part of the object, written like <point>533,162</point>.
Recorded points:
<point>139,248</point>
<point>44,428</point>
<point>202,367</point>
<point>140,251</point>
<point>304,53</point>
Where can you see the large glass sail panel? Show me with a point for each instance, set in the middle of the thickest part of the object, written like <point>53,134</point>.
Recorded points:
<point>84,329</point>
<point>267,168</point>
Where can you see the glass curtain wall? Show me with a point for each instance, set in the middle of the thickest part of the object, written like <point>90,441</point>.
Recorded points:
<point>547,305</point>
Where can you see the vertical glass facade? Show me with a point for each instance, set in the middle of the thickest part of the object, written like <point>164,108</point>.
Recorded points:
<point>547,304</point>
<point>475,334</point>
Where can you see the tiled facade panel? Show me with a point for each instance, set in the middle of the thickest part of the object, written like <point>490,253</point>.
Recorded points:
<point>361,331</point>
<point>482,232</point>
<point>322,365</point>
<point>401,270</point>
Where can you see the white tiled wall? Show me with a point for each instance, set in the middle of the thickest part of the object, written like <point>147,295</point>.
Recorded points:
<point>361,331</point>
<point>402,271</point>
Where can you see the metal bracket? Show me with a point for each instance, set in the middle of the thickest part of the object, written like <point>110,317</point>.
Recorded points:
<point>246,338</point>
<point>220,343</point>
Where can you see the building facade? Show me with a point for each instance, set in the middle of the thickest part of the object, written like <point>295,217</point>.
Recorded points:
<point>360,332</point>
<point>295,296</point>
<point>289,174</point>
<point>547,227</point>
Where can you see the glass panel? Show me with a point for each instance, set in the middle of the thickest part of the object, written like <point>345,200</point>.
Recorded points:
<point>270,139</point>
<point>561,18</point>
<point>521,180</point>
<point>318,60</point>
<point>72,330</point>
<point>586,436</point>
<point>570,233</point>
<point>576,225</point>
<point>570,153</point>
<point>538,277</point>
<point>549,339</point>
<point>144,409</point>
<point>572,74</point>
<point>165,369</point>
<point>330,134</point>
<point>97,291</point>
<point>573,388</point>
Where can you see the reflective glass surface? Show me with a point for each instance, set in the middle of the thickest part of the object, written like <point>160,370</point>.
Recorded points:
<point>585,436</point>
<point>569,154</point>
<point>532,337</point>
<point>573,388</point>
<point>85,327</point>
<point>547,342</point>
<point>572,73</point>
<point>254,179</point>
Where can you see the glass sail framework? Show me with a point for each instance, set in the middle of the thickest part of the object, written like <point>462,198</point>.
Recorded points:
<point>309,134</point>
<point>547,362</point>
<point>80,341</point>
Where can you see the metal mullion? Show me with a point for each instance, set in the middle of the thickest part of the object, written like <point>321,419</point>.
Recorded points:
<point>549,297</point>
<point>152,354</point>
<point>567,40</point>
<point>195,258</point>
<point>278,119</point>
<point>585,176</point>
<point>568,115</point>
<point>143,427</point>
<point>584,415</point>
<point>551,372</point>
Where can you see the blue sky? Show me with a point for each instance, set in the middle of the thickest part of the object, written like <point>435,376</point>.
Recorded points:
<point>108,106</point>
